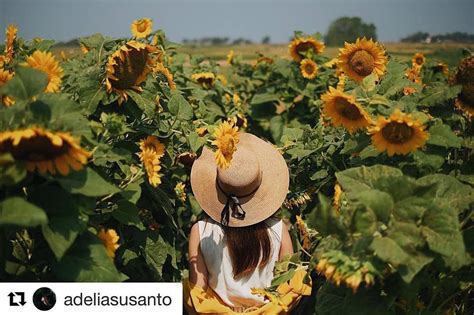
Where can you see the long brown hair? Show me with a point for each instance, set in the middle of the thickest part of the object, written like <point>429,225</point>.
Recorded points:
<point>248,246</point>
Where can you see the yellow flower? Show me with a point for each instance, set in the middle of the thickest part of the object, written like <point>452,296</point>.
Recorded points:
<point>331,63</point>
<point>226,138</point>
<point>45,62</point>
<point>2,61</point>
<point>308,69</point>
<point>418,60</point>
<point>239,120</point>
<point>230,57</point>
<point>362,58</point>
<point>337,196</point>
<point>303,232</point>
<point>408,90</point>
<point>301,45</point>
<point>341,84</point>
<point>110,240</point>
<point>152,143</point>
<point>399,134</point>
<point>297,201</point>
<point>263,60</point>
<point>205,79</point>
<point>202,131</point>
<point>151,162</point>
<point>222,78</point>
<point>128,67</point>
<point>343,110</point>
<point>179,190</point>
<point>44,150</point>
<point>236,99</point>
<point>10,37</point>
<point>63,55</point>
<point>141,28</point>
<point>84,49</point>
<point>413,74</point>
<point>160,68</point>
<point>5,76</point>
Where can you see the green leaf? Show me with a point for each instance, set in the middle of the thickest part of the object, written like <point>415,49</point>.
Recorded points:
<point>381,203</point>
<point>439,94</point>
<point>18,211</point>
<point>179,107</point>
<point>362,178</point>
<point>87,261</point>
<point>283,278</point>
<point>61,232</point>
<point>364,221</point>
<point>87,182</point>
<point>26,83</point>
<point>442,231</point>
<point>368,152</point>
<point>264,98</point>
<point>156,251</point>
<point>368,83</point>
<point>442,135</point>
<point>195,141</point>
<point>127,213</point>
<point>144,103</point>
<point>11,173</point>
<point>388,250</point>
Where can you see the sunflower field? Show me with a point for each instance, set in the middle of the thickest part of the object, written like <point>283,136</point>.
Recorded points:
<point>96,151</point>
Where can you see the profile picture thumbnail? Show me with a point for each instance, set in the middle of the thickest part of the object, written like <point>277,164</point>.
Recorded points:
<point>44,299</point>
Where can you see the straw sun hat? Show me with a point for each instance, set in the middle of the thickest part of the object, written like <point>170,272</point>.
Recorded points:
<point>249,191</point>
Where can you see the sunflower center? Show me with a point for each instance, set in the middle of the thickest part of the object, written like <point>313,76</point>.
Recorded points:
<point>467,94</point>
<point>309,68</point>
<point>207,82</point>
<point>419,61</point>
<point>227,145</point>
<point>362,63</point>
<point>396,132</point>
<point>130,71</point>
<point>38,148</point>
<point>347,109</point>
<point>303,47</point>
<point>142,26</point>
<point>465,73</point>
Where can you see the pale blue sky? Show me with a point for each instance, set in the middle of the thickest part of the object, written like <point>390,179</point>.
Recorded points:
<point>66,19</point>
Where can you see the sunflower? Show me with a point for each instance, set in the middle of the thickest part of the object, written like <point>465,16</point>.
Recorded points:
<point>84,48</point>
<point>418,60</point>
<point>179,190</point>
<point>331,63</point>
<point>5,76</point>
<point>337,196</point>
<point>226,138</point>
<point>222,79</point>
<point>308,68</point>
<point>264,60</point>
<point>128,67</point>
<point>301,45</point>
<point>110,240</point>
<point>341,83</point>
<point>10,37</point>
<point>399,134</point>
<point>151,162</point>
<point>344,110</point>
<point>160,68</point>
<point>409,90</point>
<point>152,143</point>
<point>2,61</point>
<point>141,28</point>
<point>44,150</point>
<point>301,225</point>
<point>230,57</point>
<point>465,77</point>
<point>413,74</point>
<point>45,62</point>
<point>205,79</point>
<point>362,58</point>
<point>441,67</point>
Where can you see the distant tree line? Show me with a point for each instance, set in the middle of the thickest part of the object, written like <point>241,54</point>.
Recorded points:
<point>348,29</point>
<point>420,37</point>
<point>216,41</point>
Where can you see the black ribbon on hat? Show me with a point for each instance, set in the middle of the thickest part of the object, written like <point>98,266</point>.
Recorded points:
<point>233,203</point>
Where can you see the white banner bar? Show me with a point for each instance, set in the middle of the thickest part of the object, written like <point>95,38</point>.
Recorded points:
<point>91,298</point>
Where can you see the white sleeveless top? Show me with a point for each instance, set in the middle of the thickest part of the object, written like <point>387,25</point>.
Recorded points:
<point>236,293</point>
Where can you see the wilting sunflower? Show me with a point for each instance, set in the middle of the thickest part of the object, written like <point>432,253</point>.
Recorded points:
<point>5,76</point>
<point>141,28</point>
<point>110,240</point>
<point>413,74</point>
<point>151,162</point>
<point>205,79</point>
<point>44,150</point>
<point>179,190</point>
<point>301,45</point>
<point>152,143</point>
<point>10,37</point>
<point>399,134</point>
<point>465,77</point>
<point>344,111</point>
<point>418,60</point>
<point>362,58</point>
<point>337,196</point>
<point>301,225</point>
<point>230,57</point>
<point>226,138</point>
<point>45,62</point>
<point>308,68</point>
<point>128,67</point>
<point>160,68</point>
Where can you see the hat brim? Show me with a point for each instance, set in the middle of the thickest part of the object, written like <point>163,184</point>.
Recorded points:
<point>267,199</point>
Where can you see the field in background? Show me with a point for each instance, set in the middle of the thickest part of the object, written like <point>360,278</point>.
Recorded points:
<point>447,52</point>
